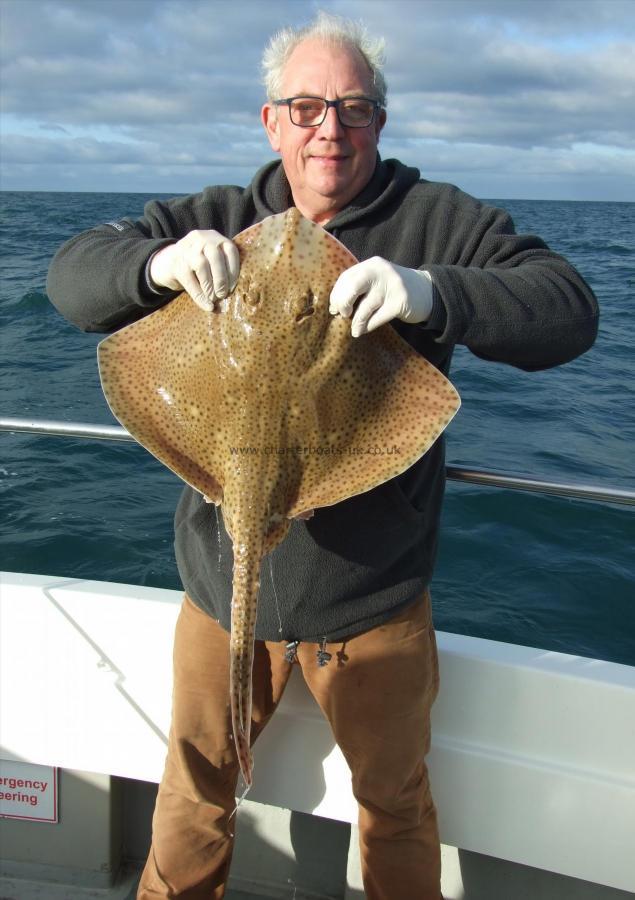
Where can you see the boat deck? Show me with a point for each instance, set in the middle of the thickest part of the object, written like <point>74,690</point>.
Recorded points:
<point>485,879</point>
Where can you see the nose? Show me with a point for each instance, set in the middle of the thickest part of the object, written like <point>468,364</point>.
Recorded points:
<point>331,128</point>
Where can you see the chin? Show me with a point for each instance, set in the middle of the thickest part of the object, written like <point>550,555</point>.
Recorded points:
<point>334,186</point>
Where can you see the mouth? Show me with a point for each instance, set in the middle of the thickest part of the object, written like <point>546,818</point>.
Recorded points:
<point>334,159</point>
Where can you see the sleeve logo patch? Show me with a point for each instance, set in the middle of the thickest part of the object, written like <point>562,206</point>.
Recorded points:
<point>118,226</point>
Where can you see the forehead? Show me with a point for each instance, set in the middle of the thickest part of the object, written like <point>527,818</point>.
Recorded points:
<point>326,69</point>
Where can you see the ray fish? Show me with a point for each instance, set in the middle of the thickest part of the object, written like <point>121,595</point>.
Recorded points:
<point>268,407</point>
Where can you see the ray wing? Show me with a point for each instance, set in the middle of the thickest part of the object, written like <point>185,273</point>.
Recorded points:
<point>375,418</point>
<point>157,376</point>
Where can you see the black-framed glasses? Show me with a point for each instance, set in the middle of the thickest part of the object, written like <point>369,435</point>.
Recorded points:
<point>309,112</point>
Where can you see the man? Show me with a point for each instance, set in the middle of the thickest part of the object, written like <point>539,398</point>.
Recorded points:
<point>442,269</point>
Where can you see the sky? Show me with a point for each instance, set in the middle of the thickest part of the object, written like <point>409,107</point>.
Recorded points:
<point>508,99</point>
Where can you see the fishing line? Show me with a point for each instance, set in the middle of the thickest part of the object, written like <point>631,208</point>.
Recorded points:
<point>275,595</point>
<point>239,801</point>
<point>218,536</point>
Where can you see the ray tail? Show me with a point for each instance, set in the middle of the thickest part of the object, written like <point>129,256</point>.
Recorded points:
<point>247,558</point>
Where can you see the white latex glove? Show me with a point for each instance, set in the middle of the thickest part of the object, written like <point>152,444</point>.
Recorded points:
<point>203,263</point>
<point>385,291</point>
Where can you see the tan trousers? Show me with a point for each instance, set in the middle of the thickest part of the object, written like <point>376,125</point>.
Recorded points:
<point>377,696</point>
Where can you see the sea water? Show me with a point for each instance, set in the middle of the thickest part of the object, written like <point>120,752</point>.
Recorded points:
<point>530,569</point>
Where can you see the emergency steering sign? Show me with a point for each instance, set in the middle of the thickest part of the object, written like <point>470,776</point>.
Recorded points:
<point>28,791</point>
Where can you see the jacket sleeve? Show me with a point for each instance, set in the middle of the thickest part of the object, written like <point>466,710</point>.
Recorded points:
<point>97,280</point>
<point>509,298</point>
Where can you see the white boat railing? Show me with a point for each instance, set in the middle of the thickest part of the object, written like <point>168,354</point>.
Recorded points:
<point>454,473</point>
<point>531,757</point>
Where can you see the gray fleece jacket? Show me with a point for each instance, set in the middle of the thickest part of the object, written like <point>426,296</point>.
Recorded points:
<point>505,296</point>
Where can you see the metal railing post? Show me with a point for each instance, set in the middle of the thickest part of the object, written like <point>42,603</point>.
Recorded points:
<point>454,473</point>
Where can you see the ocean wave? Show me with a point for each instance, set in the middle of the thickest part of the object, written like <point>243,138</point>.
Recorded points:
<point>33,300</point>
<point>601,248</point>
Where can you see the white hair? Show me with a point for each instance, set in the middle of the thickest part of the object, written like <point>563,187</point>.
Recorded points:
<point>330,29</point>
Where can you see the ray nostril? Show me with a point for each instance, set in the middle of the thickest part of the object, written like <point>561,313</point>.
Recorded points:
<point>253,297</point>
<point>309,307</point>
<point>305,314</point>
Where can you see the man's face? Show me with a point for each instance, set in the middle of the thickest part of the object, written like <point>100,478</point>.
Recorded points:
<point>329,164</point>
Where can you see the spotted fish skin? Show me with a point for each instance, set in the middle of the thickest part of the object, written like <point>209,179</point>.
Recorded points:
<point>250,326</point>
<point>240,401</point>
<point>247,513</point>
<point>247,556</point>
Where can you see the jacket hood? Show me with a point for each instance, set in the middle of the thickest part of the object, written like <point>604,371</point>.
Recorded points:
<point>272,193</point>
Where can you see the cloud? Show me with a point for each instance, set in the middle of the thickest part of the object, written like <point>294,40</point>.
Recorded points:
<point>82,151</point>
<point>173,86</point>
<point>51,126</point>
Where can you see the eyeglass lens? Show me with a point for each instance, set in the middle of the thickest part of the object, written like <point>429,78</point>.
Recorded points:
<point>354,112</point>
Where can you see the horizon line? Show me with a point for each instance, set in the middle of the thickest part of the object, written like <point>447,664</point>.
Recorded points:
<point>190,193</point>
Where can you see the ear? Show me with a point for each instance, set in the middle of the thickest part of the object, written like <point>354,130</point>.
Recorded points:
<point>269,118</point>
